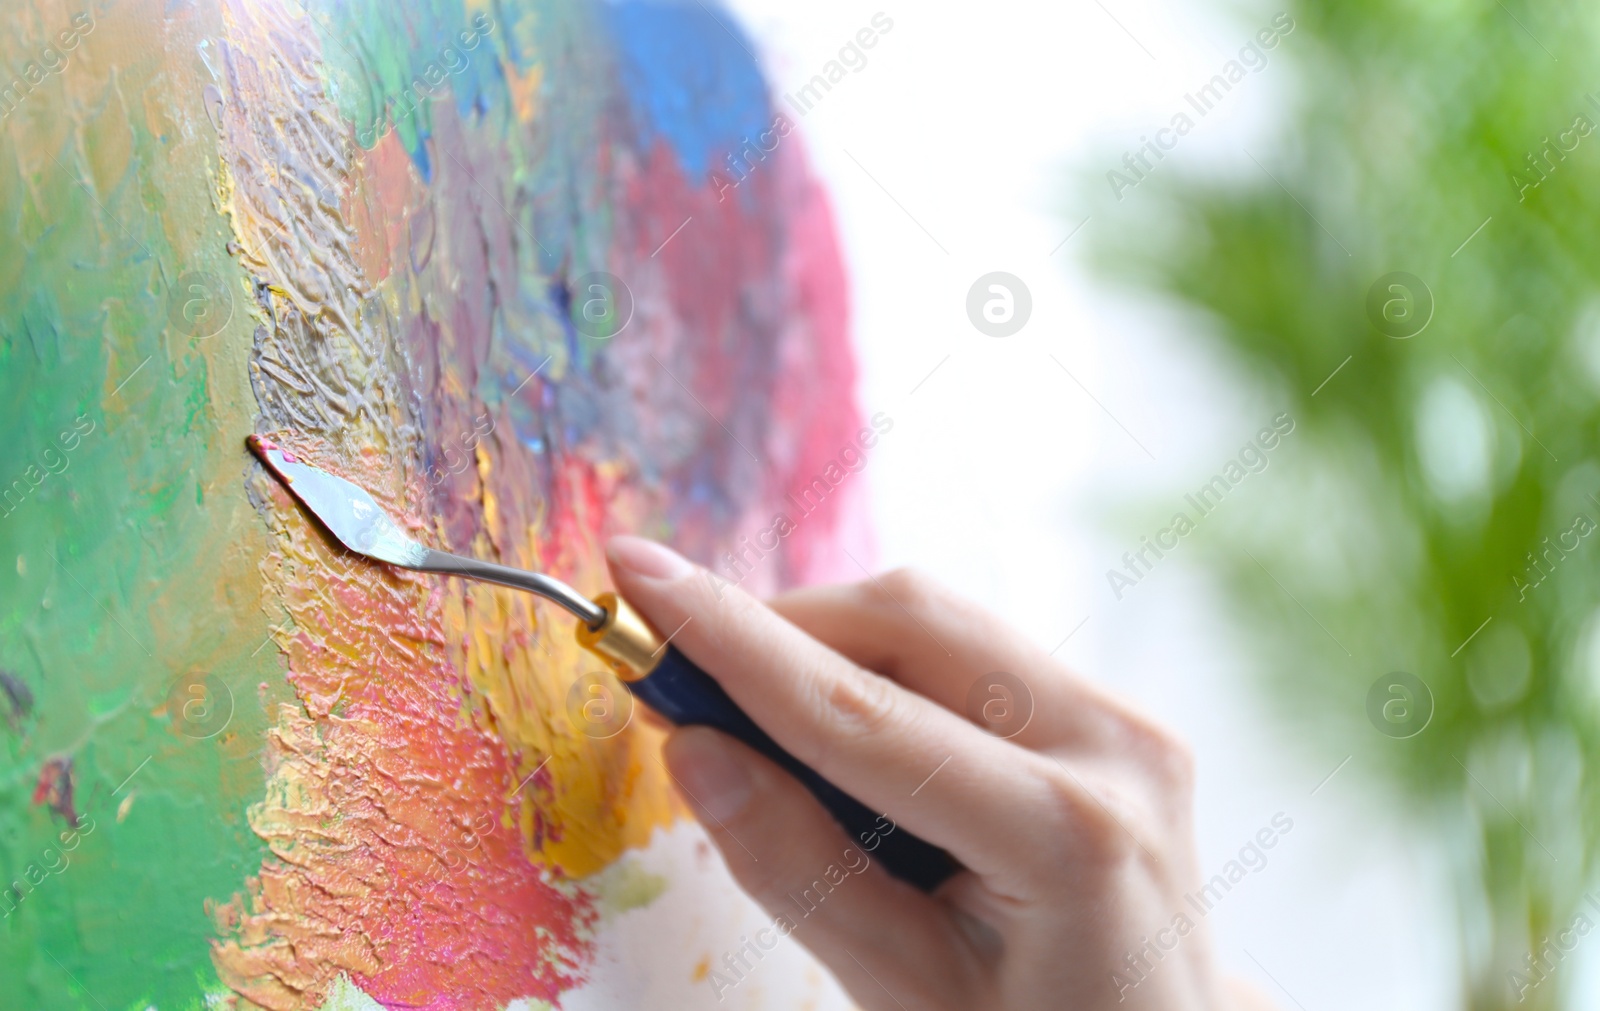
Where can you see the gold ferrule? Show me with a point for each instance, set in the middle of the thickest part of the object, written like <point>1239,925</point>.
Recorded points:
<point>626,642</point>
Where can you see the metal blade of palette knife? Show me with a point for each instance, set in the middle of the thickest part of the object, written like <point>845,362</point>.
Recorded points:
<point>345,508</point>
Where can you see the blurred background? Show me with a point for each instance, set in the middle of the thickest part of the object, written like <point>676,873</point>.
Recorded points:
<point>1369,222</point>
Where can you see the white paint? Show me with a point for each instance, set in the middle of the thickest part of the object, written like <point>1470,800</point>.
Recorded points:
<point>645,958</point>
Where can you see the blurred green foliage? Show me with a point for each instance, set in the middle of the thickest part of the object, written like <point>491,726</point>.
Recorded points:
<point>1430,473</point>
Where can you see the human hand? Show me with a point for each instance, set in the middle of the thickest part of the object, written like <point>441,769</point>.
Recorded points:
<point>1076,832</point>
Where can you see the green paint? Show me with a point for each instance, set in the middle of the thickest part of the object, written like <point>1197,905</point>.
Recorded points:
<point>626,885</point>
<point>115,557</point>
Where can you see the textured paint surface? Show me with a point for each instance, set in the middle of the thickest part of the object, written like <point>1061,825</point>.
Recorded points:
<point>237,765</point>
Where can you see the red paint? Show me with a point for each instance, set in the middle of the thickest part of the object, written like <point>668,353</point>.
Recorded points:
<point>54,789</point>
<point>792,402</point>
<point>398,839</point>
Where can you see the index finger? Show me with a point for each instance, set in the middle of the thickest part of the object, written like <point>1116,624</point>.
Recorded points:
<point>963,657</point>
<point>890,748</point>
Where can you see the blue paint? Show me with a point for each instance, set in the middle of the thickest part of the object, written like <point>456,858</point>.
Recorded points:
<point>690,79</point>
<point>419,155</point>
<point>481,84</point>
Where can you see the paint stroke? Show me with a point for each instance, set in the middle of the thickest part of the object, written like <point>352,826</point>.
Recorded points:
<point>398,809</point>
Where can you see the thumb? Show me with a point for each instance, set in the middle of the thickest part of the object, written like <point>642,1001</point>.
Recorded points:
<point>885,940</point>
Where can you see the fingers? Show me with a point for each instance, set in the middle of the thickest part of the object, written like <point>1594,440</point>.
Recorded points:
<point>821,889</point>
<point>968,660</point>
<point>929,770</point>
<point>937,643</point>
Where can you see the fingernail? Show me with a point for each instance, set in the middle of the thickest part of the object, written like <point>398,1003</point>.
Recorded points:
<point>709,771</point>
<point>647,558</point>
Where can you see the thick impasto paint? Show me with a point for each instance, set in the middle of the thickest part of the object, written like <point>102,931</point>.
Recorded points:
<point>237,767</point>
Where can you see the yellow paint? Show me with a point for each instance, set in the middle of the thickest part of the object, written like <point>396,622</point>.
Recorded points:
<point>604,796</point>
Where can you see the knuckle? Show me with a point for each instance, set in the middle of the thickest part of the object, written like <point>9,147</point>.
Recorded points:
<point>1168,756</point>
<point>862,703</point>
<point>1084,825</point>
<point>910,588</point>
<point>1179,763</point>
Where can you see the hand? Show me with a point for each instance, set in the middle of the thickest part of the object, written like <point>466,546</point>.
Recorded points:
<point>1076,833</point>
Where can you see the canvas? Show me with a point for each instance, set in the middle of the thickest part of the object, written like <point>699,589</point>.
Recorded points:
<point>532,272</point>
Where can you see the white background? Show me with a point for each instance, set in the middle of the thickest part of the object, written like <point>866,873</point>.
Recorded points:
<point>948,157</point>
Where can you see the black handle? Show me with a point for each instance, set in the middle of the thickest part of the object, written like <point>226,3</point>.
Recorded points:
<point>683,693</point>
